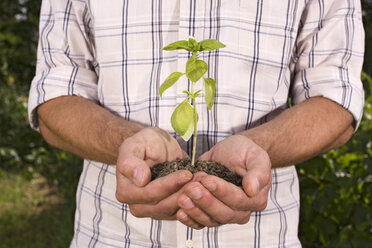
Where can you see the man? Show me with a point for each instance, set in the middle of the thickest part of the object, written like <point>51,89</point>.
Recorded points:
<point>95,94</point>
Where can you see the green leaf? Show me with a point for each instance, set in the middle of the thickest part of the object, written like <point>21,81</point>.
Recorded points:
<point>196,94</point>
<point>210,90</point>
<point>182,118</point>
<point>181,44</point>
<point>195,69</point>
<point>188,133</point>
<point>193,45</point>
<point>187,92</point>
<point>169,81</point>
<point>190,130</point>
<point>210,45</point>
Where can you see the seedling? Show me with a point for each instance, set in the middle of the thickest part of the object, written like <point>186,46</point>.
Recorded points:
<point>185,117</point>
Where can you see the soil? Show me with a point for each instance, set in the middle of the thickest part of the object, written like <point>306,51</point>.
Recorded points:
<point>211,168</point>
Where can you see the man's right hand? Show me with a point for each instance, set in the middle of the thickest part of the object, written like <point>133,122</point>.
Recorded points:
<point>137,154</point>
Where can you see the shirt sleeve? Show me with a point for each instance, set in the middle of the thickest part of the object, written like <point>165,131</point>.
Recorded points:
<point>329,55</point>
<point>65,58</point>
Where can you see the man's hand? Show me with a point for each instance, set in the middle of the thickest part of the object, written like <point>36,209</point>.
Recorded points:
<point>211,201</point>
<point>137,154</point>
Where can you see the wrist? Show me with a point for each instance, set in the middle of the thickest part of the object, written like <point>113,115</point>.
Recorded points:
<point>259,137</point>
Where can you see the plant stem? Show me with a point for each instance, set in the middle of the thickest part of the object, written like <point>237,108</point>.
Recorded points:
<point>195,126</point>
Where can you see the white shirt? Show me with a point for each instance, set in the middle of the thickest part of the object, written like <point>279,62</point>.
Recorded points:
<point>110,52</point>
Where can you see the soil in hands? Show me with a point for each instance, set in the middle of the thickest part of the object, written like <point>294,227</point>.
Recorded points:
<point>211,168</point>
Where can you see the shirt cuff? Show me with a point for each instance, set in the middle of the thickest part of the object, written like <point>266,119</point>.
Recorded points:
<point>333,83</point>
<point>60,81</point>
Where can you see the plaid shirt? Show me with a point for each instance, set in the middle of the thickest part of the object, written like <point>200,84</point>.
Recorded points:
<point>110,52</point>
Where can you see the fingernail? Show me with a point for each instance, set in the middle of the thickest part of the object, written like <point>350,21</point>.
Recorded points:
<point>187,203</point>
<point>182,215</point>
<point>211,186</point>
<point>184,178</point>
<point>138,176</point>
<point>256,186</point>
<point>196,193</point>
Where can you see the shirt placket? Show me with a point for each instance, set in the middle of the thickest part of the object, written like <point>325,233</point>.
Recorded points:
<point>190,25</point>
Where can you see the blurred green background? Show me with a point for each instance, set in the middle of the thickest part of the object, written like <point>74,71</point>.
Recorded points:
<point>37,182</point>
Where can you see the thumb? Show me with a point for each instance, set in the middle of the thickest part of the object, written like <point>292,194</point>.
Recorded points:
<point>205,156</point>
<point>135,169</point>
<point>255,180</point>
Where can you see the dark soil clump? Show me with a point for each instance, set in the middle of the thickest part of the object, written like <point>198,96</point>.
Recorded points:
<point>211,168</point>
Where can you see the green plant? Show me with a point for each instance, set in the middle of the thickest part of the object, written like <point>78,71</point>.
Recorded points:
<point>185,117</point>
<point>336,190</point>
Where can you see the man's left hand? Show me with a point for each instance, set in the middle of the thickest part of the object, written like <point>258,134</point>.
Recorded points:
<point>211,201</point>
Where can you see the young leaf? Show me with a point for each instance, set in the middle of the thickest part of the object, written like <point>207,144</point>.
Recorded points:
<point>210,89</point>
<point>193,45</point>
<point>210,45</point>
<point>181,44</point>
<point>196,94</point>
<point>169,81</point>
<point>182,118</point>
<point>195,69</point>
<point>187,92</point>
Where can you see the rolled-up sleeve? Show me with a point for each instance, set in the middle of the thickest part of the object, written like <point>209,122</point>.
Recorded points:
<point>65,61</point>
<point>329,55</point>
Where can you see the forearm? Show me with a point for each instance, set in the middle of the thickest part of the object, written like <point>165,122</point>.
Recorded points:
<point>84,128</point>
<point>303,131</point>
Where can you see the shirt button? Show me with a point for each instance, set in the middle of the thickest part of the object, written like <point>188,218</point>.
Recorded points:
<point>189,243</point>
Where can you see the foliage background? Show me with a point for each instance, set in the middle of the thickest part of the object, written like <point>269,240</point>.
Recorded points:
<point>37,182</point>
